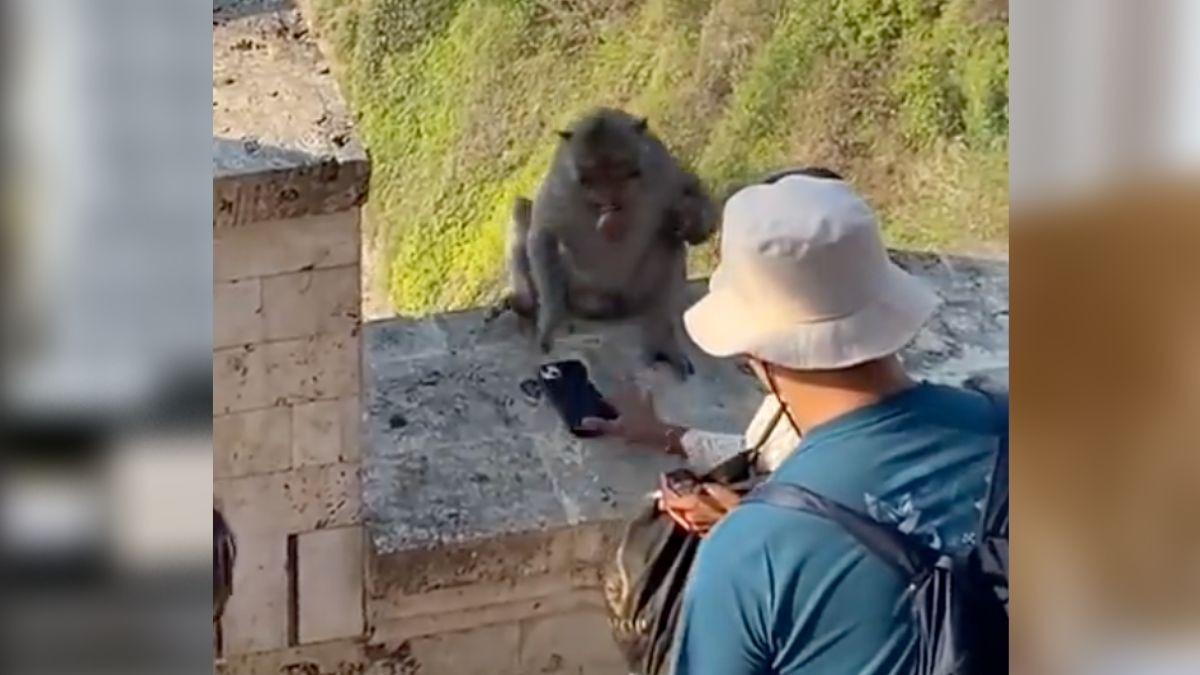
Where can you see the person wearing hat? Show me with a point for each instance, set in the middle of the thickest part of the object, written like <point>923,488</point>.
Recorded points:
<point>806,294</point>
<point>770,432</point>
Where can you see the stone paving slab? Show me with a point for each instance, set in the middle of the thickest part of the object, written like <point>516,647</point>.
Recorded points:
<point>283,139</point>
<point>455,455</point>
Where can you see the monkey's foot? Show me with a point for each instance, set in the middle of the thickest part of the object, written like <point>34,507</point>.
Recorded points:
<point>496,311</point>
<point>680,364</point>
<point>545,339</point>
<point>511,303</point>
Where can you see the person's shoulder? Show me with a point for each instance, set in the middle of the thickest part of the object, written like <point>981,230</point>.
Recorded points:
<point>738,537</point>
<point>754,534</point>
<point>965,408</point>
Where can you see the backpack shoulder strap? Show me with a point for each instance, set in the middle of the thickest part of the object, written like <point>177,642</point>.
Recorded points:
<point>899,550</point>
<point>995,517</point>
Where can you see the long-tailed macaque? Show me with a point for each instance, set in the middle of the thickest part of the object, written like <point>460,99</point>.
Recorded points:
<point>606,235</point>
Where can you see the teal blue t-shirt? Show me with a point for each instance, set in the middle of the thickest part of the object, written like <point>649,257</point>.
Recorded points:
<point>774,591</point>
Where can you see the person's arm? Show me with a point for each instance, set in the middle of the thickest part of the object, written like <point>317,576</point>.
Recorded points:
<point>723,624</point>
<point>639,422</point>
<point>706,449</point>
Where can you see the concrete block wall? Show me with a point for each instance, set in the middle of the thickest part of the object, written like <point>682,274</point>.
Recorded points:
<point>521,604</point>
<point>289,184</point>
<point>286,381</point>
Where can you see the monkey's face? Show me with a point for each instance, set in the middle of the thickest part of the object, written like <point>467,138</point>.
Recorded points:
<point>606,164</point>
<point>609,184</point>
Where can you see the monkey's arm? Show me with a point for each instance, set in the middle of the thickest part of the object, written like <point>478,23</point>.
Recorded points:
<point>550,281</point>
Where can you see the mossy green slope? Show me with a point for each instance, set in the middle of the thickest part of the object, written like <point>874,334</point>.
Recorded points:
<point>457,100</point>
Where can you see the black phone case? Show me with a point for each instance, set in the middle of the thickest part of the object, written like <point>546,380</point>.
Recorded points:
<point>682,481</point>
<point>573,395</point>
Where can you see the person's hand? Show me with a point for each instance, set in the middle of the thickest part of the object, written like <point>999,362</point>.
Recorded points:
<point>637,418</point>
<point>699,511</point>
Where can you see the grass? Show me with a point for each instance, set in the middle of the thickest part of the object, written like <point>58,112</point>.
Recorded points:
<point>457,100</point>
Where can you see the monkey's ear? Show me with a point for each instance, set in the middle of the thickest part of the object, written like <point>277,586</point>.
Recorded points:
<point>641,125</point>
<point>564,135</point>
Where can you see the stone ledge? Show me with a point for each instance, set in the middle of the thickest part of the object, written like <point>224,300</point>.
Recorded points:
<point>283,141</point>
<point>467,482</point>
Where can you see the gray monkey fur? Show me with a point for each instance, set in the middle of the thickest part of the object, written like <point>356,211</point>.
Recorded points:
<point>559,266</point>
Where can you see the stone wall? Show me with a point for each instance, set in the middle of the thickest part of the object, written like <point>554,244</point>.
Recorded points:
<point>289,183</point>
<point>286,354</point>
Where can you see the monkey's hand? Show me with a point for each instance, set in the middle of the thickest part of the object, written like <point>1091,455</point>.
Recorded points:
<point>680,364</point>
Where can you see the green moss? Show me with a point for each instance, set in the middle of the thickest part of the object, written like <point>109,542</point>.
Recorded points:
<point>457,101</point>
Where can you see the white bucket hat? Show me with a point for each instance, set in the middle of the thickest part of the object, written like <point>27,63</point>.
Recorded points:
<point>804,281</point>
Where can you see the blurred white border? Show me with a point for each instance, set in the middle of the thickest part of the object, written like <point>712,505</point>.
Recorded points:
<point>1101,90</point>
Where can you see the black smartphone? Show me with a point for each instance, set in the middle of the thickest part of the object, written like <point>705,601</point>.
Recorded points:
<point>681,481</point>
<point>571,392</point>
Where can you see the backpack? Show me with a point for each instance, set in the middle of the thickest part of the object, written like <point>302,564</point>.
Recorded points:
<point>644,580</point>
<point>960,601</point>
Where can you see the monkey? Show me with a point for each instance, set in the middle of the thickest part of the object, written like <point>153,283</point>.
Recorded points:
<point>691,220</point>
<point>605,235</point>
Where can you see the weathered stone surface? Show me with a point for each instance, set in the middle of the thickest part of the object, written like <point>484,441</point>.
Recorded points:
<point>312,302</point>
<point>321,186</point>
<point>484,612</point>
<point>324,496</point>
<point>286,245</point>
<point>237,313</point>
<point>239,380</point>
<point>343,657</point>
<point>307,498</point>
<point>257,441</point>
<point>256,617</point>
<point>424,491</point>
<point>399,576</point>
<point>312,369</point>
<point>350,424</point>
<point>283,141</point>
<point>458,461</point>
<point>330,584</point>
<point>574,643</point>
<point>317,434</point>
<point>968,337</point>
<point>482,650</point>
<point>524,597</point>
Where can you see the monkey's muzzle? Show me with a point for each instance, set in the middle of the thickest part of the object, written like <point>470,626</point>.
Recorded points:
<point>612,222</point>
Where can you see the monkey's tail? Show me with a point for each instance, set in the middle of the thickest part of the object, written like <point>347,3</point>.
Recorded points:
<point>522,210</point>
